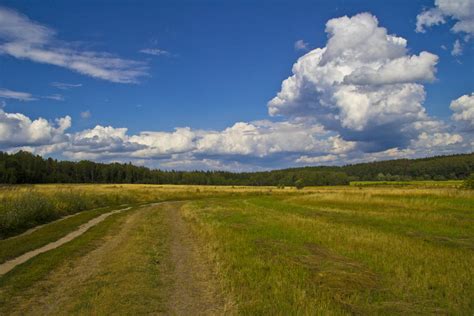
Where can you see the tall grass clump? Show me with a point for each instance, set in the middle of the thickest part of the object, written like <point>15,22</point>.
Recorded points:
<point>22,210</point>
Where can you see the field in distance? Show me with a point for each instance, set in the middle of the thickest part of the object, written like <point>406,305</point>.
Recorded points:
<point>368,248</point>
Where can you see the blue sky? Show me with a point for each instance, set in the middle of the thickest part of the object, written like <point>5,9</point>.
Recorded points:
<point>212,69</point>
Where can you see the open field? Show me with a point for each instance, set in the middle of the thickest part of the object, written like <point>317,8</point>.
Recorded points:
<point>242,250</point>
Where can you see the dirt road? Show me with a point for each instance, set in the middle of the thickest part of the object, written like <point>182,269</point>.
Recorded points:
<point>152,263</point>
<point>9,265</point>
<point>196,289</point>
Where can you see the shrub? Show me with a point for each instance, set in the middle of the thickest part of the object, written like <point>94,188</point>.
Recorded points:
<point>299,184</point>
<point>469,182</point>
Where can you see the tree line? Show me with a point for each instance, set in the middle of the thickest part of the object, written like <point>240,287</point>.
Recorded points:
<point>24,167</point>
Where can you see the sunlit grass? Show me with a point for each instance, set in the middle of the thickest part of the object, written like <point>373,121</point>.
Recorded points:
<point>20,282</point>
<point>418,183</point>
<point>339,251</point>
<point>18,245</point>
<point>319,250</point>
<point>26,206</point>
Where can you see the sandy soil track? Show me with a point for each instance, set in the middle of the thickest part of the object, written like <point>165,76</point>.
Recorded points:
<point>11,264</point>
<point>188,284</point>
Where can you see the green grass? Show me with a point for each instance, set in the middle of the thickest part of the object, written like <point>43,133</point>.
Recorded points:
<point>21,210</point>
<point>17,282</point>
<point>124,278</point>
<point>340,253</point>
<point>317,251</point>
<point>132,279</point>
<point>416,183</point>
<point>16,246</point>
<point>25,206</point>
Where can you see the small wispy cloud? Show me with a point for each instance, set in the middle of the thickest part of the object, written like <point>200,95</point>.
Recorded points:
<point>86,114</point>
<point>301,45</point>
<point>65,86</point>
<point>155,52</point>
<point>457,48</point>
<point>25,39</point>
<point>56,97</point>
<point>16,95</point>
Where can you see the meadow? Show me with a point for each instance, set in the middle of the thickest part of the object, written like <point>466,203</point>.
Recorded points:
<point>359,249</point>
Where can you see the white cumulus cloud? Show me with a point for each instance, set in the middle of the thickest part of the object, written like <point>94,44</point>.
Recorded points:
<point>463,109</point>
<point>317,160</point>
<point>362,84</point>
<point>429,18</point>
<point>462,11</point>
<point>18,130</point>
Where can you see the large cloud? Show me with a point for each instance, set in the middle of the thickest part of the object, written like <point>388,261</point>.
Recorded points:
<point>100,143</point>
<point>243,146</point>
<point>263,138</point>
<point>259,139</point>
<point>25,39</point>
<point>362,84</point>
<point>159,144</point>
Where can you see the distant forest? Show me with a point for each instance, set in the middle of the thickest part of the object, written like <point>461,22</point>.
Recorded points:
<point>24,167</point>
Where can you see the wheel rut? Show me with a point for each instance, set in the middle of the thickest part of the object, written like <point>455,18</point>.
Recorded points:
<point>11,264</point>
<point>196,289</point>
<point>189,282</point>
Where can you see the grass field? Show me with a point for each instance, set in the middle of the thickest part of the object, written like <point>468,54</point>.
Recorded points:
<point>359,249</point>
<point>418,184</point>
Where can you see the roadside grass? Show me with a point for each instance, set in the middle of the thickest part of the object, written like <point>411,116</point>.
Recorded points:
<point>125,277</point>
<point>17,285</point>
<point>13,247</point>
<point>25,206</point>
<point>339,254</point>
<point>24,209</point>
